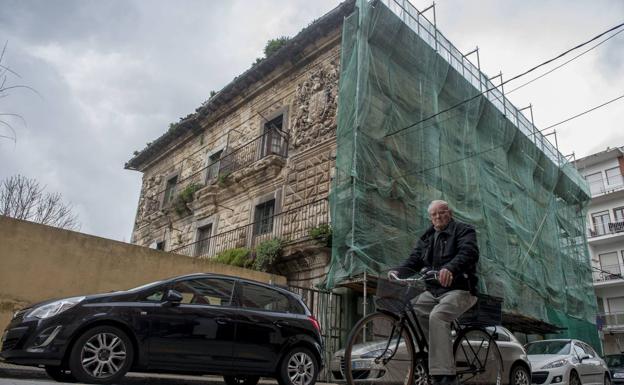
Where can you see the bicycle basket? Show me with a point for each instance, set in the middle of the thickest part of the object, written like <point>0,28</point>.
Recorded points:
<point>486,312</point>
<point>394,296</point>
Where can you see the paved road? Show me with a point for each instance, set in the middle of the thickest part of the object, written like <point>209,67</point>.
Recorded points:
<point>23,375</point>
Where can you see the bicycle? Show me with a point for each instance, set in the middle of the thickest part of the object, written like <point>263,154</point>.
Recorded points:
<point>381,348</point>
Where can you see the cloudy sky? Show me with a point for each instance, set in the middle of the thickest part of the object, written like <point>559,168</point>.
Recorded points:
<point>112,74</point>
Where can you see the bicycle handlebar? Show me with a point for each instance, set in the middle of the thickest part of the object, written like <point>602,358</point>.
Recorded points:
<point>425,275</point>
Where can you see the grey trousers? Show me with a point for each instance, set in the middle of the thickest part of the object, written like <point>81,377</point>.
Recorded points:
<point>435,315</point>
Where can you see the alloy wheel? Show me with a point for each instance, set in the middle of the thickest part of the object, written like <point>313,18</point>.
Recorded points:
<point>103,355</point>
<point>300,369</point>
<point>520,377</point>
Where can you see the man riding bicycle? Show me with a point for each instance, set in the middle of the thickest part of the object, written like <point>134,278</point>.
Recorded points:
<point>450,247</point>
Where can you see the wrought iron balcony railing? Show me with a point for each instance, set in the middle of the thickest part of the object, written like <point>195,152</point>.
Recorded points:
<point>607,228</point>
<point>607,273</point>
<point>273,142</point>
<point>290,226</point>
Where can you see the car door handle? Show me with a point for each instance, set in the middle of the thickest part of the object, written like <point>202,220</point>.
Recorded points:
<point>280,323</point>
<point>223,321</point>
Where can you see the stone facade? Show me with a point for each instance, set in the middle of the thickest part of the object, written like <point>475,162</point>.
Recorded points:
<point>304,93</point>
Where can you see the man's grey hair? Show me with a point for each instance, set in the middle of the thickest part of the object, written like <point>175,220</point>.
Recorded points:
<point>438,202</point>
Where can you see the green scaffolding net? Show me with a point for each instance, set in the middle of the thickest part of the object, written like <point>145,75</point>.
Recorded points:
<point>484,157</point>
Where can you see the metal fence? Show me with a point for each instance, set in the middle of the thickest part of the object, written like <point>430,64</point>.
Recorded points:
<point>418,23</point>
<point>606,228</point>
<point>607,273</point>
<point>610,320</point>
<point>291,225</point>
<point>599,187</point>
<point>327,308</point>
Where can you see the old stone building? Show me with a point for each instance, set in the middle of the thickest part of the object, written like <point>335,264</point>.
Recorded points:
<point>254,162</point>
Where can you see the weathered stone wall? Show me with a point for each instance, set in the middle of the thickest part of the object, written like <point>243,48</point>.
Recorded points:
<point>40,262</point>
<point>306,92</point>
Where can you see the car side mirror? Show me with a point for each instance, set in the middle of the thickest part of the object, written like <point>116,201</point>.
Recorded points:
<point>584,357</point>
<point>173,297</point>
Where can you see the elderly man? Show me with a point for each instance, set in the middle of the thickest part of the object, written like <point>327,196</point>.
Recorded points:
<point>450,247</point>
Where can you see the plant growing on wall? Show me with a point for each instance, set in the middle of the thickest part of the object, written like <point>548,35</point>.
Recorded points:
<point>322,233</point>
<point>223,179</point>
<point>267,253</point>
<point>240,257</point>
<point>185,197</point>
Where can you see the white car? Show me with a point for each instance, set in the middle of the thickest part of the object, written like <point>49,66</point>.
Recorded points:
<point>566,362</point>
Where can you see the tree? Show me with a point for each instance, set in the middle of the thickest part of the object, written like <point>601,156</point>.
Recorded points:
<point>24,198</point>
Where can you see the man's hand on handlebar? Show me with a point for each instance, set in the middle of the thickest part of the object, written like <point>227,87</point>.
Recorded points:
<point>445,278</point>
<point>393,275</point>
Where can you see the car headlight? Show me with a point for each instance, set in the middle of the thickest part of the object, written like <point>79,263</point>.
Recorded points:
<point>53,308</point>
<point>556,364</point>
<point>618,375</point>
<point>378,353</point>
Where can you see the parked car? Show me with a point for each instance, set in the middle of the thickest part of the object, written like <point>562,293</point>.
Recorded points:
<point>200,323</point>
<point>516,365</point>
<point>566,361</point>
<point>615,363</point>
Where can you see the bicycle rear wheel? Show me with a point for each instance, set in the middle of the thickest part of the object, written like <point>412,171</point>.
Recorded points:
<point>380,350</point>
<point>477,358</point>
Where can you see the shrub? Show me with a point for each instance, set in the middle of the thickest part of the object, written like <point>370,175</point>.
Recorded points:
<point>185,196</point>
<point>267,253</point>
<point>322,233</point>
<point>236,257</point>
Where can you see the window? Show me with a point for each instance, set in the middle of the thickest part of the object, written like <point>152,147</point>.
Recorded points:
<point>273,139</point>
<point>614,176</point>
<point>260,297</point>
<point>153,296</point>
<point>202,247</point>
<point>263,217</point>
<point>619,214</point>
<point>213,167</point>
<point>160,245</point>
<point>595,183</point>
<point>601,222</point>
<point>206,291</point>
<point>170,190</point>
<point>616,304</point>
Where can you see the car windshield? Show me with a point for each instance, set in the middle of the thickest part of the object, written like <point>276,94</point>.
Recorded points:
<point>615,360</point>
<point>549,347</point>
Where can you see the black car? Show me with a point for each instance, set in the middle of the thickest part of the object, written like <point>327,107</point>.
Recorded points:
<point>200,323</point>
<point>615,363</point>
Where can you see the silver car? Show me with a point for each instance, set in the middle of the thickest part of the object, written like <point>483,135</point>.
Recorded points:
<point>516,366</point>
<point>566,362</point>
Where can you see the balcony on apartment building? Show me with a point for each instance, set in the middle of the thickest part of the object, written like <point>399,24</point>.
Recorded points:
<point>608,274</point>
<point>220,165</point>
<point>611,321</point>
<point>607,231</point>
<point>290,226</point>
<point>613,182</point>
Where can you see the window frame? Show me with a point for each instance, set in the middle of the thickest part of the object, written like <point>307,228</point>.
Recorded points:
<point>605,225</point>
<point>601,188</point>
<point>233,302</point>
<point>212,164</point>
<point>240,292</point>
<point>258,221</point>
<point>619,173</point>
<point>169,193</point>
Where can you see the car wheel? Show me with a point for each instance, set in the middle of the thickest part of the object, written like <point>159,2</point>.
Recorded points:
<point>101,355</point>
<point>574,379</point>
<point>299,367</point>
<point>607,379</point>
<point>60,375</point>
<point>519,376</point>
<point>241,380</point>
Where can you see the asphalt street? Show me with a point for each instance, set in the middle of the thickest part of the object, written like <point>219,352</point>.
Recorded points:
<point>23,375</point>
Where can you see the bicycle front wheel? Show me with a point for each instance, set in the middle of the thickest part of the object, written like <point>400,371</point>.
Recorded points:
<point>380,350</point>
<point>477,358</point>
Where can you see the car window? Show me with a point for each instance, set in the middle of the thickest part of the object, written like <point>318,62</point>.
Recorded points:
<point>205,291</point>
<point>260,297</point>
<point>503,336</point>
<point>615,360</point>
<point>579,350</point>
<point>588,350</point>
<point>549,347</point>
<point>155,295</point>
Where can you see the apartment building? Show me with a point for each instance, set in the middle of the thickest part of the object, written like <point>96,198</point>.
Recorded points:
<point>605,236</point>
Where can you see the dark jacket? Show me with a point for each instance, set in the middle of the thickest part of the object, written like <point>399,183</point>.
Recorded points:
<point>455,250</point>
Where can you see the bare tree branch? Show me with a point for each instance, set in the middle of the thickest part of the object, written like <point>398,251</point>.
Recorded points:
<point>25,198</point>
